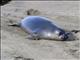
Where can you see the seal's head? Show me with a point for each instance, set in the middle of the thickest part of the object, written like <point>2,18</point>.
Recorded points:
<point>67,36</point>
<point>64,36</point>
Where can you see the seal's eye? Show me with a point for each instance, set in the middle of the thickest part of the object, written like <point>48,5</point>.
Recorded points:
<point>64,37</point>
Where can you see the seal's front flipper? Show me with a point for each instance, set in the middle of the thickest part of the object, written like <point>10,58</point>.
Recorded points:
<point>33,38</point>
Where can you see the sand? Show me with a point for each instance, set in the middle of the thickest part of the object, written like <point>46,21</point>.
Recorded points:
<point>14,42</point>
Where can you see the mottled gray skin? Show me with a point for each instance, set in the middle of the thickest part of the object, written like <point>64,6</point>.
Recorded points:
<point>41,28</point>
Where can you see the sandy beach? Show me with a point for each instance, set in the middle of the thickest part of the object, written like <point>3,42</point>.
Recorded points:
<point>14,42</point>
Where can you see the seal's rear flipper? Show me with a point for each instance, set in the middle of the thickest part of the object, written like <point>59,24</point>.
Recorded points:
<point>14,25</point>
<point>75,31</point>
<point>11,23</point>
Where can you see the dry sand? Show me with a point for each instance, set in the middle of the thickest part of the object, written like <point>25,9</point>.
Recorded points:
<point>14,42</point>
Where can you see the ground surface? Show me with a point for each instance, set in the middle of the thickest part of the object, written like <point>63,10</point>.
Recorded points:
<point>14,42</point>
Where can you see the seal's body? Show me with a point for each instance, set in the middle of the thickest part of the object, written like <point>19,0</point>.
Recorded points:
<point>41,27</point>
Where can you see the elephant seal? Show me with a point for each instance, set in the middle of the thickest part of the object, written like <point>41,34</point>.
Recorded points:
<point>41,28</point>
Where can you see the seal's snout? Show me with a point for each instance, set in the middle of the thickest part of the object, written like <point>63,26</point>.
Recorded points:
<point>67,36</point>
